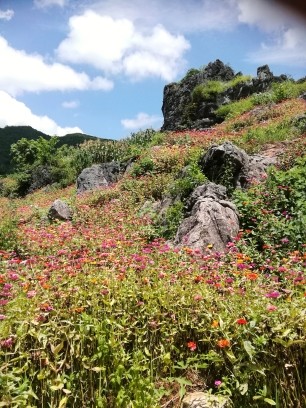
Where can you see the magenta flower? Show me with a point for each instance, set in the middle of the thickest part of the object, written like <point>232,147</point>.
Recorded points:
<point>274,294</point>
<point>2,317</point>
<point>218,383</point>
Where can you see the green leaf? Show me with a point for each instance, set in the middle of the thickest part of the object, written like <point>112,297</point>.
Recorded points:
<point>231,356</point>
<point>56,349</point>
<point>269,401</point>
<point>63,402</point>
<point>249,349</point>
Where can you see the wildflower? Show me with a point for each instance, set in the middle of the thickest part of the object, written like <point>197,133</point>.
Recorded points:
<point>271,308</point>
<point>2,317</point>
<point>215,323</point>
<point>192,345</point>
<point>223,343</point>
<point>198,297</point>
<point>274,294</point>
<point>7,343</point>
<point>241,321</point>
<point>31,294</point>
<point>218,383</point>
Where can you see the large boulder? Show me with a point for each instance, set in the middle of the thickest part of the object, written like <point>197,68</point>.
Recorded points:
<point>99,175</point>
<point>212,221</point>
<point>205,400</point>
<point>60,210</point>
<point>226,163</point>
<point>229,165</point>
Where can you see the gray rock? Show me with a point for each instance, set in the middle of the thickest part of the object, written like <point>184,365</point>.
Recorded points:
<point>226,162</point>
<point>257,170</point>
<point>205,400</point>
<point>212,221</point>
<point>99,175</point>
<point>60,210</point>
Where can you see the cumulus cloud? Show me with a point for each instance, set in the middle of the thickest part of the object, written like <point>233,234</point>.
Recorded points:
<point>37,75</point>
<point>142,121</point>
<point>117,46</point>
<point>70,104</point>
<point>6,15</point>
<point>50,3</point>
<point>16,113</point>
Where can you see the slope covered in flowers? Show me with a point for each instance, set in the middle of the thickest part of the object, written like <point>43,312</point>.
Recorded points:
<point>103,312</point>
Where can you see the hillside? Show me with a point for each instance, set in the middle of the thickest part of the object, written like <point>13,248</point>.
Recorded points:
<point>105,310</point>
<point>11,134</point>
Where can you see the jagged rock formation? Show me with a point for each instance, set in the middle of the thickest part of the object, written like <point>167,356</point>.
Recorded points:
<point>213,220</point>
<point>182,110</point>
<point>60,210</point>
<point>99,175</point>
<point>205,400</point>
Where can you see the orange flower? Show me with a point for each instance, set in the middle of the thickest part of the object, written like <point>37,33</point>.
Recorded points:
<point>223,343</point>
<point>252,275</point>
<point>215,323</point>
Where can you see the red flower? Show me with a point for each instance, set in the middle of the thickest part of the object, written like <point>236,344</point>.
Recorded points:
<point>241,321</point>
<point>192,345</point>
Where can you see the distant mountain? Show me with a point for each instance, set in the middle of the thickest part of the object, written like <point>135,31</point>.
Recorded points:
<point>11,134</point>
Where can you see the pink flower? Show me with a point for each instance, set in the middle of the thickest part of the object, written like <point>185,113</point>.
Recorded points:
<point>271,308</point>
<point>198,297</point>
<point>218,383</point>
<point>31,294</point>
<point>274,294</point>
<point>2,317</point>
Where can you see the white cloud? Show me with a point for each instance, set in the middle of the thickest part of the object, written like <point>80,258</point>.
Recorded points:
<point>142,121</point>
<point>50,3</point>
<point>117,46</point>
<point>16,113</point>
<point>20,72</point>
<point>70,104</point>
<point>6,15</point>
<point>177,15</point>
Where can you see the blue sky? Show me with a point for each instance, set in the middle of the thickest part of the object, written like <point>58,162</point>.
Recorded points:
<point>100,66</point>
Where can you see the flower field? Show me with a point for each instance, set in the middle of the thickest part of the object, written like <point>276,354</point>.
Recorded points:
<point>100,311</point>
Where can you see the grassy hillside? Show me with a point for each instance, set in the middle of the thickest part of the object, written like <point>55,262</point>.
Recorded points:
<point>103,312</point>
<point>11,134</point>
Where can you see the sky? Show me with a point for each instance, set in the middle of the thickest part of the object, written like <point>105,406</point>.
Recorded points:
<point>100,66</point>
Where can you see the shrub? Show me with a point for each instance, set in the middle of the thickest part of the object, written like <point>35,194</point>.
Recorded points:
<point>207,90</point>
<point>235,108</point>
<point>240,79</point>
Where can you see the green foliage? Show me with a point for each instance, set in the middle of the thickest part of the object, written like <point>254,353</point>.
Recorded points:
<point>8,228</point>
<point>185,183</point>
<point>256,137</point>
<point>283,198</point>
<point>240,79</point>
<point>208,90</point>
<point>235,108</point>
<point>263,98</point>
<point>283,90</point>
<point>142,167</point>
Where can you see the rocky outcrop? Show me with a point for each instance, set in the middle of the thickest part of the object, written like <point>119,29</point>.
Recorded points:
<point>227,164</point>
<point>60,210</point>
<point>182,111</point>
<point>205,400</point>
<point>99,175</point>
<point>212,221</point>
<point>41,176</point>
